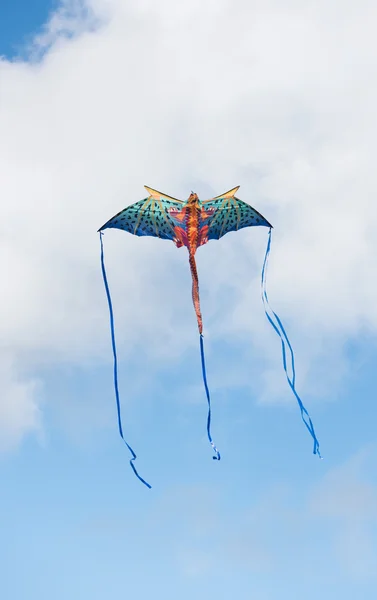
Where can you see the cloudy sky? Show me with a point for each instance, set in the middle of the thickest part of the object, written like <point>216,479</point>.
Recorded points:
<point>98,98</point>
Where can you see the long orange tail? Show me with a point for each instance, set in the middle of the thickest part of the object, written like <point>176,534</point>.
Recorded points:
<point>195,291</point>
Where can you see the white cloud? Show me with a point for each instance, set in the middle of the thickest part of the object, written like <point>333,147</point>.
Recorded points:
<point>209,94</point>
<point>19,411</point>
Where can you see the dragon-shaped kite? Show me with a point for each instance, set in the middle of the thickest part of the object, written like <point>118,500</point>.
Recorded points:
<point>192,224</point>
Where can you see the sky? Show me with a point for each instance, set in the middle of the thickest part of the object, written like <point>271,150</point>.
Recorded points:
<point>97,99</point>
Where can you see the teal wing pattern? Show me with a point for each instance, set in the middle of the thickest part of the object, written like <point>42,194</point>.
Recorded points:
<point>147,217</point>
<point>228,213</point>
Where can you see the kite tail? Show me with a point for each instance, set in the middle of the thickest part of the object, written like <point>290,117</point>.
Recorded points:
<point>116,388</point>
<point>196,301</point>
<point>277,325</point>
<point>195,292</point>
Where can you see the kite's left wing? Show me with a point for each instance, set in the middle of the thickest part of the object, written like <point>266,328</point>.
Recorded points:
<point>228,213</point>
<point>150,216</point>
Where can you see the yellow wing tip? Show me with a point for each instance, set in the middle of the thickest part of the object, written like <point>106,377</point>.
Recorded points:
<point>230,193</point>
<point>157,194</point>
<point>151,191</point>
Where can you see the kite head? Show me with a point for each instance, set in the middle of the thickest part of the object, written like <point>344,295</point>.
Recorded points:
<point>193,198</point>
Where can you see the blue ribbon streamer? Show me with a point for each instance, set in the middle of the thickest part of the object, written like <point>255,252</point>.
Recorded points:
<point>279,328</point>
<point>217,457</point>
<point>116,388</point>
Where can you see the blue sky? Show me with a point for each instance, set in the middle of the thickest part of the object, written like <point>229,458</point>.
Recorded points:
<point>20,20</point>
<point>99,115</point>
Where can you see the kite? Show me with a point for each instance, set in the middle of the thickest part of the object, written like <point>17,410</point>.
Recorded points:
<point>192,224</point>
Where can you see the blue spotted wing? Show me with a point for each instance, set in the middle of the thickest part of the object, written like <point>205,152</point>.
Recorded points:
<point>228,213</point>
<point>147,217</point>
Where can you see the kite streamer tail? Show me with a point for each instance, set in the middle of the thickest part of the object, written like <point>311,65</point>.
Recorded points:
<point>217,457</point>
<point>196,302</point>
<point>277,325</point>
<point>116,388</point>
